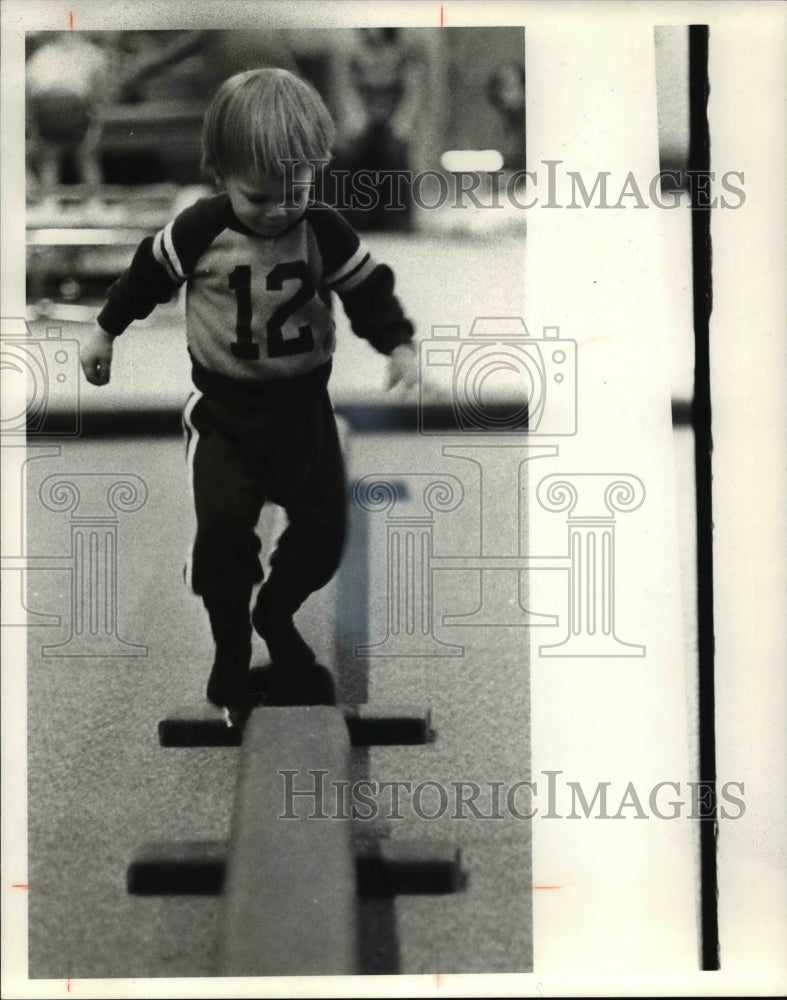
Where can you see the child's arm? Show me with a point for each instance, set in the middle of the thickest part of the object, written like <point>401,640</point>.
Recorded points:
<point>145,283</point>
<point>137,292</point>
<point>376,315</point>
<point>133,296</point>
<point>374,311</point>
<point>367,293</point>
<point>160,266</point>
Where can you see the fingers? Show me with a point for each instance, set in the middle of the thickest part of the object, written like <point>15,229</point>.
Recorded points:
<point>409,378</point>
<point>409,383</point>
<point>395,374</point>
<point>397,378</point>
<point>101,373</point>
<point>96,371</point>
<point>402,385</point>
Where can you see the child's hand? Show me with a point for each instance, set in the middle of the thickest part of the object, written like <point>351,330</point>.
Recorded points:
<point>96,356</point>
<point>403,368</point>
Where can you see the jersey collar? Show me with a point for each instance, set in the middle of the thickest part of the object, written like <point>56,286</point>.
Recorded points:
<point>234,223</point>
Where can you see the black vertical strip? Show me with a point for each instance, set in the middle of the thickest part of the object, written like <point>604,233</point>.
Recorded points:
<point>699,178</point>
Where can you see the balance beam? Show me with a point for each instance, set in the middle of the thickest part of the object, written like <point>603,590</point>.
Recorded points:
<point>383,868</point>
<point>289,884</point>
<point>368,725</point>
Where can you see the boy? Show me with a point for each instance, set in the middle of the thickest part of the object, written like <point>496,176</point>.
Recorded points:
<point>259,263</point>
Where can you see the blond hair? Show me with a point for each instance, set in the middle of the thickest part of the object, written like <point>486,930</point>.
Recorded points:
<point>261,119</point>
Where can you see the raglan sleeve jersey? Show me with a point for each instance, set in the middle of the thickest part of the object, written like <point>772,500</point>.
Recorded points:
<point>259,308</point>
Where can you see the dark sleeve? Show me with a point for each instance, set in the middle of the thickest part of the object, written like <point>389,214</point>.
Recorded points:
<point>162,263</point>
<point>365,287</point>
<point>137,291</point>
<point>374,311</point>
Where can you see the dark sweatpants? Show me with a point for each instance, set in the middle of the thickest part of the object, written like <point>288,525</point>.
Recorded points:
<point>284,448</point>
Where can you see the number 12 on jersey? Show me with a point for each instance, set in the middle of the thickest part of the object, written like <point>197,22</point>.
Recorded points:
<point>278,346</point>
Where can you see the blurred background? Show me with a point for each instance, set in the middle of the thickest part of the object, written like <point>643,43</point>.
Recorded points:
<point>114,121</point>
<point>117,115</point>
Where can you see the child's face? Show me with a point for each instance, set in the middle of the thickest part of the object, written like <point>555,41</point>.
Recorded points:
<point>268,205</point>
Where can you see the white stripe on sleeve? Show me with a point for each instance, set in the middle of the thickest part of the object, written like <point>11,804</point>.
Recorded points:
<point>348,265</point>
<point>169,249</point>
<point>161,257</point>
<point>350,282</point>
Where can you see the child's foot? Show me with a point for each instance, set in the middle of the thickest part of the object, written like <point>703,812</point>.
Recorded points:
<point>312,685</point>
<point>228,684</point>
<point>236,716</point>
<point>286,645</point>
